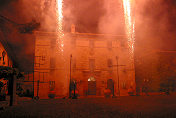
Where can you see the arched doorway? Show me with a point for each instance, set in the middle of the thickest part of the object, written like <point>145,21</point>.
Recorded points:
<point>110,85</point>
<point>91,86</point>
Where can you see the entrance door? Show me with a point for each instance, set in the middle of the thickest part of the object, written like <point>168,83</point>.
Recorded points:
<point>110,85</point>
<point>91,86</point>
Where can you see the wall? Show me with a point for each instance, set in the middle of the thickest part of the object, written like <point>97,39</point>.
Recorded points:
<point>93,55</point>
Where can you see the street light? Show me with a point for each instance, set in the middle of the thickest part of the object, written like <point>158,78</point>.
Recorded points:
<point>70,76</point>
<point>72,83</point>
<point>117,59</point>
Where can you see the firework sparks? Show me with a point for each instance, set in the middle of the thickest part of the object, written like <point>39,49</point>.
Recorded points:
<point>59,15</point>
<point>130,24</point>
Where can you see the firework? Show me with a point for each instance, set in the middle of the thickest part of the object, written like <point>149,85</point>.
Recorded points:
<point>129,24</point>
<point>59,15</point>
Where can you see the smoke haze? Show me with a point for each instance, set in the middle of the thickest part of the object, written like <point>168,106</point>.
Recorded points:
<point>112,21</point>
<point>155,21</point>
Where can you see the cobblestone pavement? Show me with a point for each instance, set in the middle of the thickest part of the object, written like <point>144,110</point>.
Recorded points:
<point>122,107</point>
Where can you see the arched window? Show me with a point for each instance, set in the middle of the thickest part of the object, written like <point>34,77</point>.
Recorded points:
<point>91,79</point>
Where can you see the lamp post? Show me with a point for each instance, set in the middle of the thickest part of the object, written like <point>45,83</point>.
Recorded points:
<point>117,59</point>
<point>70,76</point>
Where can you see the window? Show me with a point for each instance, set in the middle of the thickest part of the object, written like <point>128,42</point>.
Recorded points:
<point>109,62</point>
<point>52,62</point>
<point>91,79</point>
<point>51,85</point>
<point>91,44</point>
<point>73,43</point>
<point>123,44</point>
<point>42,76</point>
<point>91,64</point>
<point>39,60</point>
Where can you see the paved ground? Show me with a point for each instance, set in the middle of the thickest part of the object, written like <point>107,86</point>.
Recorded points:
<point>123,107</point>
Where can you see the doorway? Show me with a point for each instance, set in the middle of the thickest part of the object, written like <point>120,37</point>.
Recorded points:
<point>91,86</point>
<point>110,85</point>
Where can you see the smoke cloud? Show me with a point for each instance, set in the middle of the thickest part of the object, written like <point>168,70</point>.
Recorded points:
<point>155,32</point>
<point>155,20</point>
<point>112,22</point>
<point>155,24</point>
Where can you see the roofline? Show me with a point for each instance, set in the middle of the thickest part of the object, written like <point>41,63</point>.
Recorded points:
<point>78,33</point>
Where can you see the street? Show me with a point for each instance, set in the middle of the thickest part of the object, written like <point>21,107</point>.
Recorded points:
<point>123,107</point>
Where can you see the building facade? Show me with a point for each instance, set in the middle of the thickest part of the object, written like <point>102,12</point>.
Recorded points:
<point>4,58</point>
<point>5,61</point>
<point>95,62</point>
<point>155,72</point>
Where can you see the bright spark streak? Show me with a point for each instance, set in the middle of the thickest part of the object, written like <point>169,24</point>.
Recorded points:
<point>59,24</point>
<point>130,24</point>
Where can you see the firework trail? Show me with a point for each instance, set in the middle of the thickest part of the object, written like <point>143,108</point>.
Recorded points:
<point>59,30</point>
<point>129,24</point>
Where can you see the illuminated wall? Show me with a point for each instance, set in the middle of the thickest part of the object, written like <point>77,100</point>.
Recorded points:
<point>93,56</point>
<point>4,59</point>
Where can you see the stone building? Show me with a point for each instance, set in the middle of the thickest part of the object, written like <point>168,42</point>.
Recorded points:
<point>156,72</point>
<point>4,58</point>
<point>5,61</point>
<point>94,61</point>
